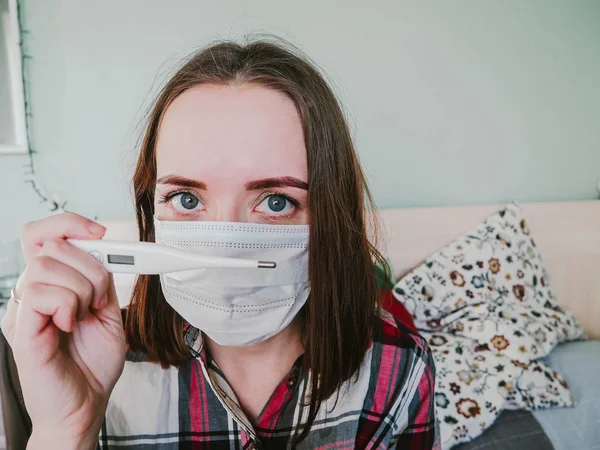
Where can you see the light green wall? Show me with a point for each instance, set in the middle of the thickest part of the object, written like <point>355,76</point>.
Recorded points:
<point>451,103</point>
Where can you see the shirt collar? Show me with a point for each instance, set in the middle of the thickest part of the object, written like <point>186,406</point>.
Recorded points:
<point>193,339</point>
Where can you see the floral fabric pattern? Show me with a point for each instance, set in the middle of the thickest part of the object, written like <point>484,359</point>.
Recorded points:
<point>485,305</point>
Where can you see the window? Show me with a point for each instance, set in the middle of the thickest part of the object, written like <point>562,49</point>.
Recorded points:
<point>13,132</point>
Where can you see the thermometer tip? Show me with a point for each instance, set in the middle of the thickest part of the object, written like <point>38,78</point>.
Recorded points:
<point>266,264</point>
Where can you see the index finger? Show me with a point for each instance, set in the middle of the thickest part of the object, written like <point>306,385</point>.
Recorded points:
<point>59,226</point>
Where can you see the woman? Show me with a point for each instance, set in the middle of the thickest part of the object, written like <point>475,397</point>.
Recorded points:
<point>246,152</point>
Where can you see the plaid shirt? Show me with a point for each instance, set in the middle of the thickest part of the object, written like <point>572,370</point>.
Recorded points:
<point>390,405</point>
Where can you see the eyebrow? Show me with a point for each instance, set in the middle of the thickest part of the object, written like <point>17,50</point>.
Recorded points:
<point>276,182</point>
<point>177,180</point>
<point>265,183</point>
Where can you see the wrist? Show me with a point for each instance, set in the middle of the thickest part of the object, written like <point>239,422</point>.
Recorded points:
<point>55,440</point>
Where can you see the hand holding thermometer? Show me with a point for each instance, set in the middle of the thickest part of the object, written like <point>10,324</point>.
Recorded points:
<point>148,258</point>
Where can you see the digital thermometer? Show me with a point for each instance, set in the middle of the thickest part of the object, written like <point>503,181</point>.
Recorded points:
<point>149,258</point>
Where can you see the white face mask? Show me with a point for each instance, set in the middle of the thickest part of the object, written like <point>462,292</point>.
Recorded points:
<point>238,306</point>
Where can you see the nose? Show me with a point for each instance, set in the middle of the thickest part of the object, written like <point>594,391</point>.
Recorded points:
<point>225,210</point>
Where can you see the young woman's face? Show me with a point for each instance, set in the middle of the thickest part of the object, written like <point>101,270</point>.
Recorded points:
<point>232,153</point>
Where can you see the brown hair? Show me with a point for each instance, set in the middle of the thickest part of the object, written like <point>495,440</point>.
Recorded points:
<point>340,313</point>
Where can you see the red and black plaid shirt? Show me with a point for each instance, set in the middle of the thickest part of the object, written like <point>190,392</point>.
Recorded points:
<point>390,405</point>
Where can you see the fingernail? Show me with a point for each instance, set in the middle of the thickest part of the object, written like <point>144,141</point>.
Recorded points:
<point>96,228</point>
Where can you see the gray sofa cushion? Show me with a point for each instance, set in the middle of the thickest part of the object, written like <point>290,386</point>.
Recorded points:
<point>514,430</point>
<point>578,427</point>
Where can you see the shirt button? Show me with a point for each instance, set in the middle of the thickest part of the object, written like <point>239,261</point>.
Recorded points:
<point>291,383</point>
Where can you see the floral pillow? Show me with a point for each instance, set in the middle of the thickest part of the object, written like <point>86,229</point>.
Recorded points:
<point>485,304</point>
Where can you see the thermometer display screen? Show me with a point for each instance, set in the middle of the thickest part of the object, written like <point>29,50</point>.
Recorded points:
<point>121,259</point>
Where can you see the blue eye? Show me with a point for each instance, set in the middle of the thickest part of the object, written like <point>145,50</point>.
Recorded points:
<point>277,204</point>
<point>185,201</point>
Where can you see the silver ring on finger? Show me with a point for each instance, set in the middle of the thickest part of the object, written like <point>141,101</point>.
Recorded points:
<point>13,297</point>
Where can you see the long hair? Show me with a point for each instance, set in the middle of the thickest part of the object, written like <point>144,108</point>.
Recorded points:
<point>340,313</point>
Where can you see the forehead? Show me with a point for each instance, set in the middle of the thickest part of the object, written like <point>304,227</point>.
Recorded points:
<point>231,132</point>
